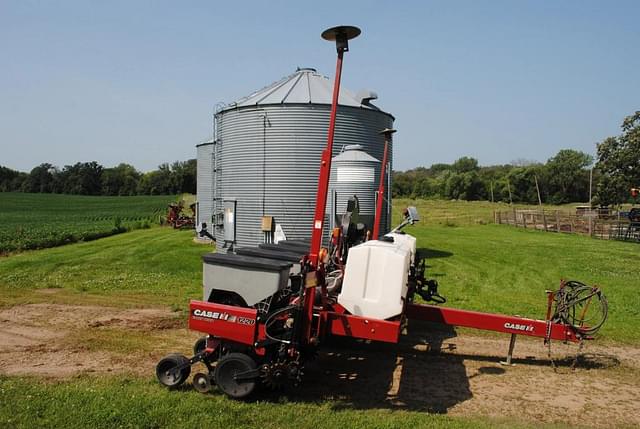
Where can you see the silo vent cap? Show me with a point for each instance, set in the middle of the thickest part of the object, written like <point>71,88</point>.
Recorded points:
<point>353,147</point>
<point>306,69</point>
<point>365,96</point>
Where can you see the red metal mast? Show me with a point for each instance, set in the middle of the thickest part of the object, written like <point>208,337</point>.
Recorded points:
<point>376,225</point>
<point>341,36</point>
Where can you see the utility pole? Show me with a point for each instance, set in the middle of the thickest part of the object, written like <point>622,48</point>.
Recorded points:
<point>590,185</point>
<point>544,217</point>
<point>535,176</point>
<point>590,206</point>
<point>491,184</point>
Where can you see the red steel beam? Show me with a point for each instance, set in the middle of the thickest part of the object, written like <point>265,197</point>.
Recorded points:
<point>491,322</point>
<point>348,325</point>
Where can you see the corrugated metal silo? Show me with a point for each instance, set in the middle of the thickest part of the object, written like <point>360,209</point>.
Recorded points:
<point>354,172</point>
<point>205,184</point>
<point>268,148</point>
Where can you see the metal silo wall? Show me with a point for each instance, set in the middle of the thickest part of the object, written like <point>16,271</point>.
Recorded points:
<point>204,183</point>
<point>274,163</point>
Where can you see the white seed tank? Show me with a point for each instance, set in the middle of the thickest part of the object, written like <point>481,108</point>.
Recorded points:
<point>405,241</point>
<point>375,279</point>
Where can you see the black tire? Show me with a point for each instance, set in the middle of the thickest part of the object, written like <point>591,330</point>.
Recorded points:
<point>199,345</point>
<point>169,378</point>
<point>226,369</point>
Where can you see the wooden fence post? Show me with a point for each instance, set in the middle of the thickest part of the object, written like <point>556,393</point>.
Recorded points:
<point>544,220</point>
<point>515,218</point>
<point>558,220</point>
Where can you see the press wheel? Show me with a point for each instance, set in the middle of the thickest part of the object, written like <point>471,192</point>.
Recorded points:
<point>228,368</point>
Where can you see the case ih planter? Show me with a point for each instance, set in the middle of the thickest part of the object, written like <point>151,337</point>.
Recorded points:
<point>266,311</point>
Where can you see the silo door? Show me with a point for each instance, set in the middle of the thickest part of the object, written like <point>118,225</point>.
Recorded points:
<point>230,220</point>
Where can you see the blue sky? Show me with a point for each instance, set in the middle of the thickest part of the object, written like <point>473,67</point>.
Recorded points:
<point>137,81</point>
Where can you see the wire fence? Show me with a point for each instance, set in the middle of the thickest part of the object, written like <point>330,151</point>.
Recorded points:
<point>606,226</point>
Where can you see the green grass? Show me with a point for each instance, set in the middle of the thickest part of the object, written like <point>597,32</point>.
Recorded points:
<point>441,212</point>
<point>482,267</point>
<point>459,212</point>
<point>152,266</point>
<point>134,403</point>
<point>507,270</point>
<point>33,221</point>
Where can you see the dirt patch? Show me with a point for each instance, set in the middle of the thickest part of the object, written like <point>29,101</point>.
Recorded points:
<point>48,291</point>
<point>41,339</point>
<point>437,371</point>
<point>432,369</point>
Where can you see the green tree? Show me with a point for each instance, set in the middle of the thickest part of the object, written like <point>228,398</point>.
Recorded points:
<point>120,180</point>
<point>465,165</point>
<point>81,178</point>
<point>568,176</point>
<point>184,175</point>
<point>465,186</point>
<point>158,182</point>
<point>11,180</point>
<point>521,180</point>
<point>41,179</point>
<point>619,163</point>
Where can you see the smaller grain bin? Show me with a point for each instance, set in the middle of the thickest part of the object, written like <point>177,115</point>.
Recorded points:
<point>205,182</point>
<point>354,172</point>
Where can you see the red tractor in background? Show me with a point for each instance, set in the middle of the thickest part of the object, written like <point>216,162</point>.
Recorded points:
<point>177,219</point>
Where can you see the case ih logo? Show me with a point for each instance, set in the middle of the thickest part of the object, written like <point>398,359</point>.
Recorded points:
<point>216,315</point>
<point>518,327</point>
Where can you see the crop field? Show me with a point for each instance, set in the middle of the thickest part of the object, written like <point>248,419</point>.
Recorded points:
<point>82,326</point>
<point>34,221</point>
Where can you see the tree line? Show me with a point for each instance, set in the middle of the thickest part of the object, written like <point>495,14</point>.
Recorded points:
<point>564,178</point>
<point>91,178</point>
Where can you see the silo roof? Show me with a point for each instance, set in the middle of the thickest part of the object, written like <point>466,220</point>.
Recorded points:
<point>305,86</point>
<point>354,152</point>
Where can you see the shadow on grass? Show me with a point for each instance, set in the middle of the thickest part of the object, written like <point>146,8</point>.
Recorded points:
<point>421,373</point>
<point>412,375</point>
<point>433,253</point>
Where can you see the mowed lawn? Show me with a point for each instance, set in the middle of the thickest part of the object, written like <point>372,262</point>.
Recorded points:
<point>482,267</point>
<point>110,402</point>
<point>499,268</point>
<point>157,266</point>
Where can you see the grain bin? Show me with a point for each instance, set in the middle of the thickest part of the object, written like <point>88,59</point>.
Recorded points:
<point>267,154</point>
<point>353,172</point>
<point>205,183</point>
